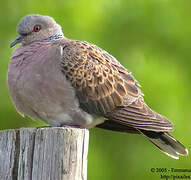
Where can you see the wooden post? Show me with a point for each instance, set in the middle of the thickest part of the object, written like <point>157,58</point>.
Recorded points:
<point>48,153</point>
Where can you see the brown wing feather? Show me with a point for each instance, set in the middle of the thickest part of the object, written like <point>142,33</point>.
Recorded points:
<point>139,115</point>
<point>104,87</point>
<point>99,79</point>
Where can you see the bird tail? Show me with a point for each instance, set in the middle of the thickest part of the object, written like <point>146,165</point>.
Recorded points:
<point>166,143</point>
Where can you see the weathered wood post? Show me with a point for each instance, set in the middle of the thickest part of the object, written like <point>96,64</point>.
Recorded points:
<point>44,154</point>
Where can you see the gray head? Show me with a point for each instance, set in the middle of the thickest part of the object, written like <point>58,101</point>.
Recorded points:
<point>36,28</point>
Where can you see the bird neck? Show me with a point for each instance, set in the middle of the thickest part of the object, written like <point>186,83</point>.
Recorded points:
<point>55,37</point>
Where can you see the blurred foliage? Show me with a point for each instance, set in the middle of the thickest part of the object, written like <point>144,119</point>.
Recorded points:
<point>152,39</point>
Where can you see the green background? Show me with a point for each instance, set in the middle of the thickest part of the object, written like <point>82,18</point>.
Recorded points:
<point>152,39</point>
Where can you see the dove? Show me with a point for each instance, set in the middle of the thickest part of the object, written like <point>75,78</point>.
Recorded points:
<point>75,83</point>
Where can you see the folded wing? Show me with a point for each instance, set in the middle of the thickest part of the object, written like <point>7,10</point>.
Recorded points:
<point>105,88</point>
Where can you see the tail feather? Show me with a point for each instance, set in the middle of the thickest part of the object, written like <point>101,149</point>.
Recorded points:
<point>166,143</point>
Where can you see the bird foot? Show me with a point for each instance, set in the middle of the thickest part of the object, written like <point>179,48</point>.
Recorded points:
<point>73,126</point>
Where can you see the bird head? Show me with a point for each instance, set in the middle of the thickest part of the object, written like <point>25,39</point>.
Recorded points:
<point>36,28</point>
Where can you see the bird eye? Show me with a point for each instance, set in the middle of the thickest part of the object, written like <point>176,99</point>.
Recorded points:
<point>36,28</point>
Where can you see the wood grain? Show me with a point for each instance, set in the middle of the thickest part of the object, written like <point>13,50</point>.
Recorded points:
<point>48,153</point>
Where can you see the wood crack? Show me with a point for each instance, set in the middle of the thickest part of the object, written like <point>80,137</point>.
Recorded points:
<point>16,155</point>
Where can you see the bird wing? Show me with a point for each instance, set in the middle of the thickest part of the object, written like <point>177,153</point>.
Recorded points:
<point>104,87</point>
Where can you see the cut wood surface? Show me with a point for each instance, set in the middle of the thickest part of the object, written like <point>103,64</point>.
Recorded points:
<point>48,153</point>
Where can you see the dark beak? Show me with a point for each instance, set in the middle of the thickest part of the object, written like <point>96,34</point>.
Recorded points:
<point>16,41</point>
